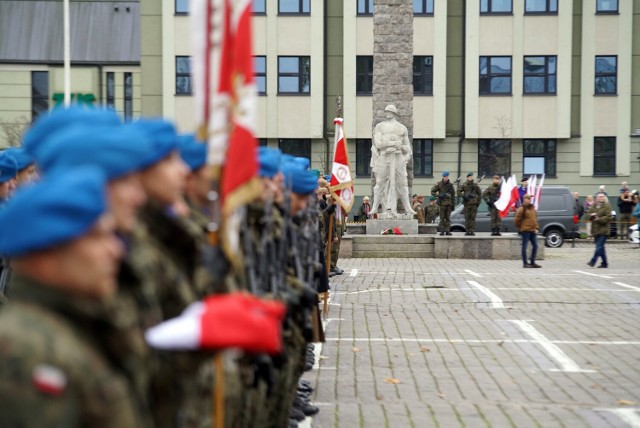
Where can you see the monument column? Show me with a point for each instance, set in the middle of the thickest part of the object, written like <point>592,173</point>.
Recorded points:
<point>393,66</point>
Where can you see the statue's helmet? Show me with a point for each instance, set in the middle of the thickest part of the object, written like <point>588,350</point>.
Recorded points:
<point>391,108</point>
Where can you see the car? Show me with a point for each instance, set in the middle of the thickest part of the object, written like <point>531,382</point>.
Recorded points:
<point>634,235</point>
<point>555,217</point>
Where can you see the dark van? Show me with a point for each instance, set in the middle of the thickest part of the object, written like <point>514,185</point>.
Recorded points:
<point>555,217</point>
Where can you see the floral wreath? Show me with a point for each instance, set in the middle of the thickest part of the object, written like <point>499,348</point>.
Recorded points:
<point>394,231</point>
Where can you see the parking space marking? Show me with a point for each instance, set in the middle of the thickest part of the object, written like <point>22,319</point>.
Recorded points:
<point>477,275</point>
<point>628,416</point>
<point>354,272</point>
<point>622,284</point>
<point>557,354</point>
<point>593,274</point>
<point>496,302</point>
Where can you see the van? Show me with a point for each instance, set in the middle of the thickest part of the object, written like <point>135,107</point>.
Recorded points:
<point>555,217</point>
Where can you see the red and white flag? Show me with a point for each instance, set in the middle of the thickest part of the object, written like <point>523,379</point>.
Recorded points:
<point>508,196</point>
<point>225,93</point>
<point>341,183</point>
<point>538,193</point>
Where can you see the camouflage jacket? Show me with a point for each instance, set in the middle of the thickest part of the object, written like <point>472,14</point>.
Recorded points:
<point>445,192</point>
<point>430,213</point>
<point>491,194</point>
<point>54,370</point>
<point>470,192</point>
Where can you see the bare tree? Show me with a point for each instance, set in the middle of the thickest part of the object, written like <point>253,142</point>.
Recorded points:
<point>13,131</point>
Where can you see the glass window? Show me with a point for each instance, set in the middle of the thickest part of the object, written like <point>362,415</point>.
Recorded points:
<point>540,74</point>
<point>541,6</point>
<point>495,75</point>
<point>539,157</point>
<point>363,157</point>
<point>606,74</point>
<point>364,75</point>
<point>262,142</point>
<point>365,7</point>
<point>606,6</point>
<point>496,6</point>
<point>260,67</point>
<point>183,75</point>
<point>111,89</point>
<point>297,7</point>
<point>494,157</point>
<point>128,96</point>
<point>39,93</point>
<point>294,75</point>
<point>296,147</point>
<point>260,7</point>
<point>182,6</point>
<point>423,75</point>
<point>423,7</point>
<point>604,156</point>
<point>422,158</point>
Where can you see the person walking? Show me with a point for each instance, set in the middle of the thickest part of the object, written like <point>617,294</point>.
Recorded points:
<point>600,216</point>
<point>527,223</point>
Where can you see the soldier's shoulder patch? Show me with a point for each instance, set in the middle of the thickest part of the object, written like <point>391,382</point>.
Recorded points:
<point>49,379</point>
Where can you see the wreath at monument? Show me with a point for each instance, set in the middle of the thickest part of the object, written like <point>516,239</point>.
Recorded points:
<point>394,231</point>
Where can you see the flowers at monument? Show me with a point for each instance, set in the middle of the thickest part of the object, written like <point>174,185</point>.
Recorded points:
<point>394,231</point>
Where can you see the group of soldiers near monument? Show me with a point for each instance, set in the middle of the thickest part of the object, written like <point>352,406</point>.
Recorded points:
<point>112,240</point>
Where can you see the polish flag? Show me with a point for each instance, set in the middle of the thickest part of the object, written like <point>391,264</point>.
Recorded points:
<point>538,193</point>
<point>508,196</point>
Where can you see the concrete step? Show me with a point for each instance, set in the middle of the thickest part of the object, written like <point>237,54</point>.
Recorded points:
<point>394,254</point>
<point>398,246</point>
<point>393,239</point>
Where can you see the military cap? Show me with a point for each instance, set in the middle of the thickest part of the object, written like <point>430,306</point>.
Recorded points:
<point>8,167</point>
<point>299,180</point>
<point>316,172</point>
<point>445,173</point>
<point>327,177</point>
<point>164,138</point>
<point>22,158</point>
<point>117,151</point>
<point>470,174</point>
<point>193,152</point>
<point>391,108</point>
<point>55,210</point>
<point>269,159</point>
<point>61,118</point>
<point>432,198</point>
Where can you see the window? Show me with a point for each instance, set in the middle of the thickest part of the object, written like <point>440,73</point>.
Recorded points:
<point>494,158</point>
<point>294,7</point>
<point>422,158</point>
<point>495,75</point>
<point>296,147</point>
<point>541,6</point>
<point>606,74</point>
<point>260,7</point>
<point>423,7</point>
<point>604,156</point>
<point>128,96</point>
<point>294,75</point>
<point>606,6</point>
<point>182,6</point>
<point>111,90</point>
<point>540,74</point>
<point>539,157</point>
<point>262,142</point>
<point>39,93</point>
<point>423,75</point>
<point>365,7</point>
<point>363,157</point>
<point>183,75</point>
<point>496,6</point>
<point>260,66</point>
<point>364,75</point>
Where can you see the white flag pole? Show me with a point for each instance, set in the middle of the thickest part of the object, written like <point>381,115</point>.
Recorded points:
<point>67,54</point>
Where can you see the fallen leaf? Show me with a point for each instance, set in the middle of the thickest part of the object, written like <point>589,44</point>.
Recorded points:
<point>441,395</point>
<point>379,396</point>
<point>501,343</point>
<point>626,403</point>
<point>392,380</point>
<point>354,349</point>
<point>424,349</point>
<point>322,357</point>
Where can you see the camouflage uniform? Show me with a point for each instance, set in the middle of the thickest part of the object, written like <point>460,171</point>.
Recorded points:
<point>471,195</point>
<point>445,192</point>
<point>490,196</point>
<point>431,212</point>
<point>338,231</point>
<point>52,332</point>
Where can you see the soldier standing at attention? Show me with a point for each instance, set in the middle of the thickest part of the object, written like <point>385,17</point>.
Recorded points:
<point>431,210</point>
<point>471,195</point>
<point>53,370</point>
<point>445,192</point>
<point>491,195</point>
<point>419,209</point>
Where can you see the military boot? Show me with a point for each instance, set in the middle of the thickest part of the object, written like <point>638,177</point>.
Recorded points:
<point>498,232</point>
<point>494,232</point>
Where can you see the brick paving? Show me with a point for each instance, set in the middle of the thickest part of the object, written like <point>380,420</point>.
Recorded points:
<point>413,343</point>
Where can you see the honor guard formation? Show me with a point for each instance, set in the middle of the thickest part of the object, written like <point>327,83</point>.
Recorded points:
<point>117,310</point>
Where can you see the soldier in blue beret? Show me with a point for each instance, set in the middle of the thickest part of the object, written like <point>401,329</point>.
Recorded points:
<point>26,166</point>
<point>65,256</point>
<point>8,171</point>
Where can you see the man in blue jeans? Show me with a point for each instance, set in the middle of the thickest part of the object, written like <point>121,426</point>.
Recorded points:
<point>600,216</point>
<point>527,223</point>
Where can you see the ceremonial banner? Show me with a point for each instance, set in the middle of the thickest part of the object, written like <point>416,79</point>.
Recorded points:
<point>341,183</point>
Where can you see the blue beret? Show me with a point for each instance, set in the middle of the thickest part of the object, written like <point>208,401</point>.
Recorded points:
<point>8,167</point>
<point>269,159</point>
<point>445,174</point>
<point>117,151</point>
<point>21,157</point>
<point>193,153</point>
<point>299,180</point>
<point>52,211</point>
<point>303,162</point>
<point>61,118</point>
<point>164,138</point>
<point>327,177</point>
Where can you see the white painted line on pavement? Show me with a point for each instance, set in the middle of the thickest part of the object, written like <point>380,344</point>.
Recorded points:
<point>622,284</point>
<point>594,274</point>
<point>317,347</point>
<point>475,341</point>
<point>354,272</point>
<point>381,289</point>
<point>496,302</point>
<point>563,360</point>
<point>470,272</point>
<point>628,416</point>
<point>558,289</point>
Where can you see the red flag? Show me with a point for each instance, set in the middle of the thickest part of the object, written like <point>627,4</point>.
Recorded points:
<point>341,184</point>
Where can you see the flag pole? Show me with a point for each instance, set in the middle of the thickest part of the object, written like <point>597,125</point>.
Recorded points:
<point>67,54</point>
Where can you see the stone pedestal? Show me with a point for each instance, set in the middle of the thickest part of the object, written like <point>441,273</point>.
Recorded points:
<point>408,227</point>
